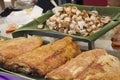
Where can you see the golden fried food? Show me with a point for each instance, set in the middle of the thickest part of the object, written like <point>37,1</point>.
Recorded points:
<point>71,20</point>
<point>14,47</point>
<point>91,65</point>
<point>116,39</point>
<point>11,29</point>
<point>46,58</point>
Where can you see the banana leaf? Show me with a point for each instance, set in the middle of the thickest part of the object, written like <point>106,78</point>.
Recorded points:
<point>31,28</point>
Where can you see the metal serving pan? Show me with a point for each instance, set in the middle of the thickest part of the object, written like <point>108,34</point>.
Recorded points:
<point>17,76</point>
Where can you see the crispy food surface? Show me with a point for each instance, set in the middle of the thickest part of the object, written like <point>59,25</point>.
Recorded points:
<point>116,39</point>
<point>91,65</point>
<point>46,58</point>
<point>14,47</point>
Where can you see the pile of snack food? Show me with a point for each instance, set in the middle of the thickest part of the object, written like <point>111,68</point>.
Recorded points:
<point>59,60</point>
<point>70,20</point>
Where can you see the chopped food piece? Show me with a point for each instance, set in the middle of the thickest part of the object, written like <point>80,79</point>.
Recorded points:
<point>116,39</point>
<point>11,29</point>
<point>40,26</point>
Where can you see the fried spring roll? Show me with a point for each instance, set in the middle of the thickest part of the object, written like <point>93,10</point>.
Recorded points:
<point>46,58</point>
<point>105,68</point>
<point>90,65</point>
<point>14,47</point>
<point>75,66</point>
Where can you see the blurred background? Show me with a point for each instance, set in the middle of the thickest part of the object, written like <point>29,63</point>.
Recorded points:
<point>22,4</point>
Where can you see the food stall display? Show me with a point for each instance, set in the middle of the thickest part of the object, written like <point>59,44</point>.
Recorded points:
<point>63,59</point>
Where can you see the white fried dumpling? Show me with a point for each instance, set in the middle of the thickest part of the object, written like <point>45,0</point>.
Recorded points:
<point>57,9</point>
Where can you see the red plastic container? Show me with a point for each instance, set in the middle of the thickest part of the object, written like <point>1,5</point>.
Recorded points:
<point>95,2</point>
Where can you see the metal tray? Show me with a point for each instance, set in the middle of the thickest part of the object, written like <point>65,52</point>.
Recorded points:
<point>32,29</point>
<point>17,76</point>
<point>4,75</point>
<point>27,77</point>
